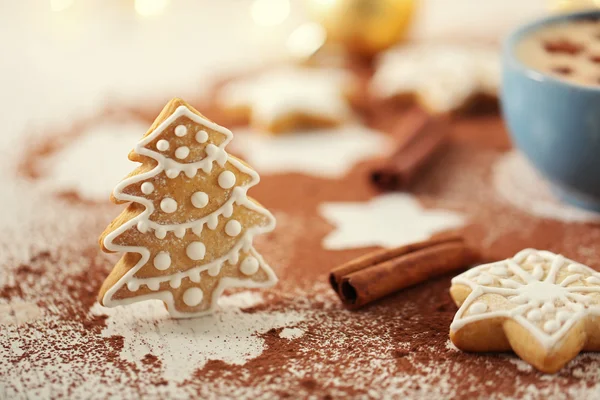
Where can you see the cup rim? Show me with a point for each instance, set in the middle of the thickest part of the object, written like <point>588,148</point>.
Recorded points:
<point>516,35</point>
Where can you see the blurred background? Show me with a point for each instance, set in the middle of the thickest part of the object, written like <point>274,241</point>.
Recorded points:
<point>67,58</point>
<point>65,61</point>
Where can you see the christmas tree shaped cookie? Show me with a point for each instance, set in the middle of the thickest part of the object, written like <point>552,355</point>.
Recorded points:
<point>187,231</point>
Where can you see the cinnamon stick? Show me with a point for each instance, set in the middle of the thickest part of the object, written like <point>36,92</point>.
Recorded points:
<point>422,136</point>
<point>383,272</point>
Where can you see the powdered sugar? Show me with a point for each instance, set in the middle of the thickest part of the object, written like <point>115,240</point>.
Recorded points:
<point>184,346</point>
<point>327,153</point>
<point>95,161</point>
<point>291,333</point>
<point>387,220</point>
<point>522,186</point>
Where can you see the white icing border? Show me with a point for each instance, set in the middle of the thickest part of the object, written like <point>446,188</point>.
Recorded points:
<point>573,301</point>
<point>238,195</point>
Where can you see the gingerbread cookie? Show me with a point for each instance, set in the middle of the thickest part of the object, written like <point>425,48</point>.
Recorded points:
<point>543,306</point>
<point>443,79</point>
<point>187,231</point>
<point>290,98</point>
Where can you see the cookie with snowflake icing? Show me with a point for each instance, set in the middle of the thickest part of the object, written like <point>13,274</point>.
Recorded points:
<point>290,98</point>
<point>543,306</point>
<point>443,79</point>
<point>187,232</point>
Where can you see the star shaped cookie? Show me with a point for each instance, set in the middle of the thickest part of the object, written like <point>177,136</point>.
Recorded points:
<point>443,79</point>
<point>543,306</point>
<point>290,98</point>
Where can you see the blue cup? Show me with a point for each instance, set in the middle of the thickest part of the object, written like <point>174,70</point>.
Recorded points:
<point>554,122</point>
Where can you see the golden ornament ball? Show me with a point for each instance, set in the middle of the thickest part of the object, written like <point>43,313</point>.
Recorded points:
<point>363,26</point>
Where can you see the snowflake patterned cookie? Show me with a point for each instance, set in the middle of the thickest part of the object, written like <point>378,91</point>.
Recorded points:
<point>442,79</point>
<point>187,232</point>
<point>543,306</point>
<point>290,98</point>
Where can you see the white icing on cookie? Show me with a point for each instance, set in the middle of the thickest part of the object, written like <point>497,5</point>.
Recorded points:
<point>162,145</point>
<point>147,187</point>
<point>478,308</point>
<point>546,296</point>
<point>179,232</point>
<point>142,226</point>
<point>181,130</point>
<point>172,173</point>
<point>199,199</point>
<point>162,261</point>
<point>249,266</point>
<point>291,91</point>
<point>168,205</point>
<point>193,296</point>
<point>201,136</point>
<point>442,77</point>
<point>237,196</point>
<point>233,228</point>
<point>226,179</point>
<point>196,251</point>
<point>182,152</point>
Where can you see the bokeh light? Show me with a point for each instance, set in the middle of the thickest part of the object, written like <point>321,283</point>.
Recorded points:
<point>270,12</point>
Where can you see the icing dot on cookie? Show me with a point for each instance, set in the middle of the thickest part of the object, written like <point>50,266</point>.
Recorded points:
<point>226,179</point>
<point>500,271</point>
<point>534,315</point>
<point>201,136</point>
<point>190,171</point>
<point>472,273</point>
<point>214,271</point>
<point>509,283</point>
<point>181,130</point>
<point>162,145</point>
<point>197,229</point>
<point>211,149</point>
<point>142,226</point>
<point>160,233</point>
<point>518,299</point>
<point>199,199</point>
<point>563,316</point>
<point>548,308</point>
<point>551,326</point>
<point>249,266</point>
<point>182,152</point>
<point>195,250</point>
<point>162,261</point>
<point>179,232</point>
<point>192,296</point>
<point>593,280</point>
<point>195,275</point>
<point>578,307</point>
<point>175,282</point>
<point>485,280</point>
<point>147,188</point>
<point>172,173</point>
<point>133,286</point>
<point>478,308</point>
<point>153,284</point>
<point>575,268</point>
<point>233,228</point>
<point>213,221</point>
<point>168,205</point>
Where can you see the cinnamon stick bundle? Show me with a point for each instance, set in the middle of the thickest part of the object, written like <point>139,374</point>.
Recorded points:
<point>386,271</point>
<point>422,136</point>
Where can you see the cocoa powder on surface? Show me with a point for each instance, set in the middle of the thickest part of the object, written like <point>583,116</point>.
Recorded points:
<point>396,347</point>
